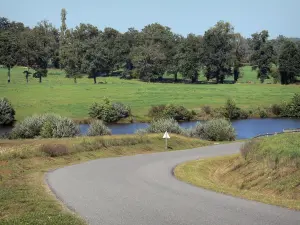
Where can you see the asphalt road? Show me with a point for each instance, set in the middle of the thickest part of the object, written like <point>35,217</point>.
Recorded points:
<point>141,190</point>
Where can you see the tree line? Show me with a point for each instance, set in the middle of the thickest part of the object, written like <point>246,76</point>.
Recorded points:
<point>147,54</point>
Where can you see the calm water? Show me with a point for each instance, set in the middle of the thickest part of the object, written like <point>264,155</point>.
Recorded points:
<point>244,128</point>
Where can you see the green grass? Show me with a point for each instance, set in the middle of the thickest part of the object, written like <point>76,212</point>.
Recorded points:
<point>24,197</point>
<point>60,95</point>
<point>270,173</point>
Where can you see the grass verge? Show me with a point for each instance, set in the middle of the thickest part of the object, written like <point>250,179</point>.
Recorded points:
<point>268,171</point>
<point>24,196</point>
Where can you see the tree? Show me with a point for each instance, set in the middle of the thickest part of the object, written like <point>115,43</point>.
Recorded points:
<point>63,29</point>
<point>148,62</point>
<point>27,50</point>
<point>9,48</point>
<point>218,47</point>
<point>289,62</point>
<point>263,55</point>
<point>240,55</point>
<point>96,58</point>
<point>188,57</point>
<point>43,48</point>
<point>70,57</point>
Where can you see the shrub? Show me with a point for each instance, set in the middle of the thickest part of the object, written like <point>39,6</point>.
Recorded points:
<point>276,109</point>
<point>178,113</point>
<point>54,150</point>
<point>98,128</point>
<point>163,125</point>
<point>47,126</point>
<point>30,127</point>
<point>231,111</point>
<point>207,109</point>
<point>262,113</point>
<point>65,127</point>
<point>7,112</point>
<point>244,114</point>
<point>295,106</point>
<point>214,130</point>
<point>157,111</point>
<point>122,110</point>
<point>109,112</point>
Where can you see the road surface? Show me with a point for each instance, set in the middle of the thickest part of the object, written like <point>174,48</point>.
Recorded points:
<point>141,190</point>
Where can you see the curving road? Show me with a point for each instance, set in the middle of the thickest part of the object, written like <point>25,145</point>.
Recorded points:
<point>140,190</point>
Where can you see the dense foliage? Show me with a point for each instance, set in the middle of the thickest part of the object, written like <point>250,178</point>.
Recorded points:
<point>46,126</point>
<point>163,125</point>
<point>214,130</point>
<point>7,112</point>
<point>178,113</point>
<point>98,128</point>
<point>109,112</point>
<point>147,54</point>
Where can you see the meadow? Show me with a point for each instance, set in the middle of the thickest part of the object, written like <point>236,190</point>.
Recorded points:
<point>59,94</point>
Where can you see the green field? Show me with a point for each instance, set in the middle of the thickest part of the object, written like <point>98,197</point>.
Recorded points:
<point>60,95</point>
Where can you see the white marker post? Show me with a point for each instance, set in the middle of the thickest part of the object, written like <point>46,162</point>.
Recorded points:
<point>166,137</point>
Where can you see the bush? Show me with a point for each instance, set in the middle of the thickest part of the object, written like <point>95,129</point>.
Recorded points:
<point>30,127</point>
<point>47,126</point>
<point>276,109</point>
<point>98,128</point>
<point>207,109</point>
<point>231,110</point>
<point>163,125</point>
<point>214,130</point>
<point>262,113</point>
<point>178,113</point>
<point>295,106</point>
<point>65,127</point>
<point>123,111</point>
<point>55,150</point>
<point>7,112</point>
<point>109,112</point>
<point>244,114</point>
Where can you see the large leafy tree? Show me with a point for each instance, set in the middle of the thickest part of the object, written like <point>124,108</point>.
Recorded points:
<point>218,47</point>
<point>10,43</point>
<point>263,54</point>
<point>70,58</point>
<point>239,54</point>
<point>289,62</point>
<point>43,49</point>
<point>9,48</point>
<point>96,59</point>
<point>117,52</point>
<point>188,57</point>
<point>148,62</point>
<point>27,50</point>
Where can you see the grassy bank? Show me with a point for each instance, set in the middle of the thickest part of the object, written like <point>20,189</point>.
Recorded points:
<point>267,171</point>
<point>24,197</point>
<point>60,95</point>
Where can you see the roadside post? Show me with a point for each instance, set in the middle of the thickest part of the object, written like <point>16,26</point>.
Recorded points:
<point>166,137</point>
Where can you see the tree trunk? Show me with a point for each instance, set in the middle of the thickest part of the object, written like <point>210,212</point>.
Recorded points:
<point>176,77</point>
<point>8,74</point>
<point>75,80</point>
<point>40,78</point>
<point>95,79</point>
